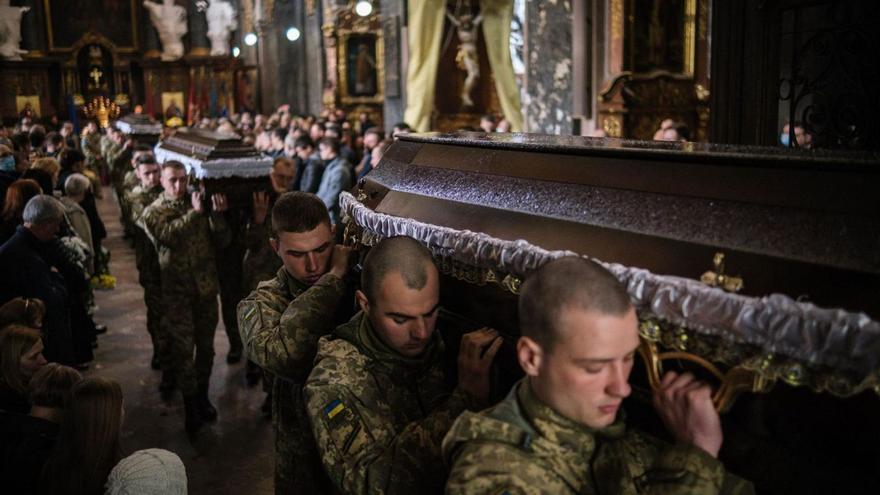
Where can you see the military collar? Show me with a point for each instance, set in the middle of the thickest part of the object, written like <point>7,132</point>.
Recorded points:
<point>561,430</point>
<point>294,286</point>
<point>360,333</point>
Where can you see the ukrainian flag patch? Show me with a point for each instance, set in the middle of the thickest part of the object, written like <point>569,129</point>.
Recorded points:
<point>334,408</point>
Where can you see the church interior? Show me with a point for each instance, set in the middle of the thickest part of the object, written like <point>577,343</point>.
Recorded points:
<point>329,246</point>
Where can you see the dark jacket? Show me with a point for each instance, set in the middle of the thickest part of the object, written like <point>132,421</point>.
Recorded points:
<point>26,268</point>
<point>25,445</point>
<point>312,171</point>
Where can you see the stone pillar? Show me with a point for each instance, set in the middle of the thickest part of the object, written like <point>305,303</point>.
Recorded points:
<point>393,29</point>
<point>548,50</point>
<point>199,45</point>
<point>314,46</point>
<point>291,57</point>
<point>267,55</point>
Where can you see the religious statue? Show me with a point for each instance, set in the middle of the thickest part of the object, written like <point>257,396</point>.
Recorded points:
<point>170,21</point>
<point>466,58</point>
<point>221,23</point>
<point>10,30</point>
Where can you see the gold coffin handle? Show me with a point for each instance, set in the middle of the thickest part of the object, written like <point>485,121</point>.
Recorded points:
<point>734,382</point>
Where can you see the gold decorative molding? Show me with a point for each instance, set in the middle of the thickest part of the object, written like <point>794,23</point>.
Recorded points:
<point>617,20</point>
<point>690,37</point>
<point>200,51</point>
<point>747,368</point>
<point>718,278</point>
<point>343,36</point>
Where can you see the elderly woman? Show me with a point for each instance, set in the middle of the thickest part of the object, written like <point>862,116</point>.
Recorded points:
<point>76,187</point>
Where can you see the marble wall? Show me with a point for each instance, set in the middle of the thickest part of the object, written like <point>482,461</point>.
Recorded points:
<point>547,103</point>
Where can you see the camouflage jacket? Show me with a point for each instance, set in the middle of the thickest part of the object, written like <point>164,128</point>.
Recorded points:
<point>281,321</point>
<point>146,258</point>
<point>185,241</point>
<point>378,417</point>
<point>521,446</point>
<point>130,180</point>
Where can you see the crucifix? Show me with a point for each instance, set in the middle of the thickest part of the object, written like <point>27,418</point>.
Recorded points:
<point>96,74</point>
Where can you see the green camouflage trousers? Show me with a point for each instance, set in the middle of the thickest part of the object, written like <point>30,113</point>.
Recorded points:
<point>158,335</point>
<point>190,320</point>
<point>298,467</point>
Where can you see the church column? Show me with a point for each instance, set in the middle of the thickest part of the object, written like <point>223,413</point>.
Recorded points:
<point>314,42</point>
<point>199,45</point>
<point>548,50</point>
<point>393,20</point>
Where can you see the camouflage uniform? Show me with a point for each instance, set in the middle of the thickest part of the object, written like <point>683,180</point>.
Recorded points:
<point>379,417</point>
<point>260,263</point>
<point>521,446</point>
<point>147,261</point>
<point>118,159</point>
<point>280,323</point>
<point>91,148</point>
<point>185,241</point>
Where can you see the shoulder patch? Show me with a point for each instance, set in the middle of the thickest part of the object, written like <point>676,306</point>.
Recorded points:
<point>345,427</point>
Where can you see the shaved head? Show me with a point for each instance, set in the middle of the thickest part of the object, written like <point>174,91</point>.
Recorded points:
<point>569,282</point>
<point>403,255</point>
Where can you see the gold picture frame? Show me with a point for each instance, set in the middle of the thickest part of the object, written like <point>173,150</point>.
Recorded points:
<point>22,101</point>
<point>361,66</point>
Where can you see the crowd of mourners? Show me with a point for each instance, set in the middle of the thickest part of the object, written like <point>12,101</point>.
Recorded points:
<point>59,431</point>
<point>52,260</point>
<point>349,346</point>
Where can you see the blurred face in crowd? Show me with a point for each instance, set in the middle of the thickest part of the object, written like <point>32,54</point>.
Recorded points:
<point>403,317</point>
<point>66,129</point>
<point>326,152</point>
<point>371,140</point>
<point>174,182</point>
<point>289,150</point>
<point>150,175</point>
<point>304,152</point>
<point>316,133</point>
<point>584,375</point>
<point>306,255</point>
<point>33,360</point>
<point>282,175</point>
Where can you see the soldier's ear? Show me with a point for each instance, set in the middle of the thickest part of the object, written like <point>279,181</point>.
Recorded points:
<point>530,355</point>
<point>362,301</point>
<point>274,243</point>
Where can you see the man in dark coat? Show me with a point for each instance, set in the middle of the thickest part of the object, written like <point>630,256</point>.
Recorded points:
<point>26,262</point>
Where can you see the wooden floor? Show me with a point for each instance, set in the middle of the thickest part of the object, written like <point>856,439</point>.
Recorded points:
<point>232,456</point>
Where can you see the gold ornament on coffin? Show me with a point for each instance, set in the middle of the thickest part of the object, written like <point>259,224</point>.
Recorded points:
<point>103,110</point>
<point>719,279</point>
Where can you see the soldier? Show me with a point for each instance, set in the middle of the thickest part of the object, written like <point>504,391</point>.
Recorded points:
<point>147,261</point>
<point>282,320</point>
<point>378,400</point>
<point>558,430</point>
<point>185,236</point>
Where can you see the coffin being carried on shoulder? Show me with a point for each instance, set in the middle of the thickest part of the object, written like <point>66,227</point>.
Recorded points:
<point>142,128</point>
<point>222,162</point>
<point>757,268</point>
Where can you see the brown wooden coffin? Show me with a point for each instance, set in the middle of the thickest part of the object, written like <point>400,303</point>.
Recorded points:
<point>220,162</point>
<point>799,232</point>
<point>142,128</point>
